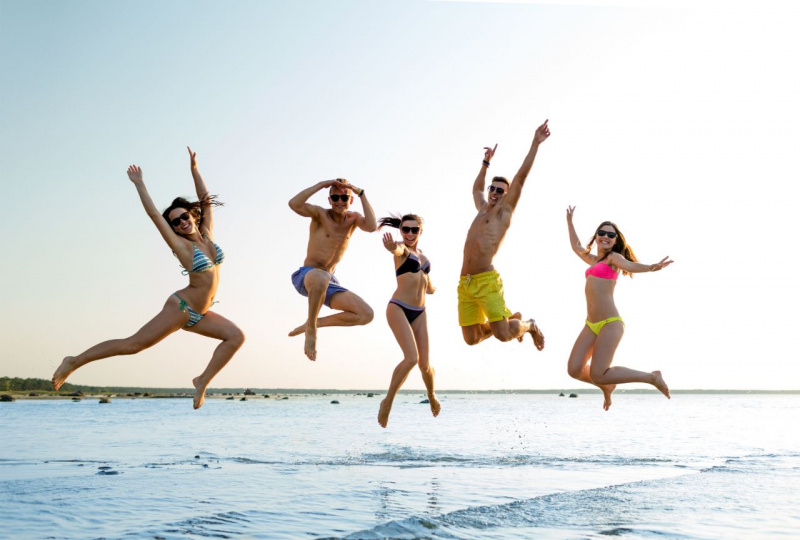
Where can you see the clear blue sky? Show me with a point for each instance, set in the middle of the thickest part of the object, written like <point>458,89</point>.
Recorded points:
<point>677,121</point>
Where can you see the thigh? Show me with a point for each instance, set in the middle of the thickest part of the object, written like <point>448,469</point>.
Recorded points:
<point>582,350</point>
<point>170,319</point>
<point>216,326</point>
<point>402,331</point>
<point>349,301</point>
<point>605,346</point>
<point>316,279</point>
<point>420,329</point>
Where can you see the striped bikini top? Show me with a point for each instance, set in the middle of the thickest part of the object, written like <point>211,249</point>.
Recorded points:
<point>201,262</point>
<point>411,264</point>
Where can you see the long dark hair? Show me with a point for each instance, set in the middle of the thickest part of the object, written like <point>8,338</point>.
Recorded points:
<point>620,246</point>
<point>194,208</point>
<point>395,220</point>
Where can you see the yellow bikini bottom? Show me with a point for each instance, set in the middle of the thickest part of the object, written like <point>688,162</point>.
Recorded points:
<point>597,326</point>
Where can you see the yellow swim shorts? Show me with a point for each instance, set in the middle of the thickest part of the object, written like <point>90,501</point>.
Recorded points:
<point>480,297</point>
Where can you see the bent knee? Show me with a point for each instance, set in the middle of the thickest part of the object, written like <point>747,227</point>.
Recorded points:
<point>503,336</point>
<point>237,337</point>
<point>574,372</point>
<point>366,315</point>
<point>471,340</point>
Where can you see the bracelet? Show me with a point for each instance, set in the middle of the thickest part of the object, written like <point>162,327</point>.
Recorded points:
<point>361,194</point>
<point>485,162</point>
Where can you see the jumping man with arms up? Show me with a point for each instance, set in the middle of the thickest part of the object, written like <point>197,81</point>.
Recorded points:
<point>482,311</point>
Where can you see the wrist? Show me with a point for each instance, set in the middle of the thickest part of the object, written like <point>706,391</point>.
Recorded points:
<point>486,163</point>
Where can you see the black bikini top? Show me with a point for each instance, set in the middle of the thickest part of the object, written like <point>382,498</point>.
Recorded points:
<point>411,264</point>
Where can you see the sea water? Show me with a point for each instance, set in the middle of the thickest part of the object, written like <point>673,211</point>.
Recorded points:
<point>490,466</point>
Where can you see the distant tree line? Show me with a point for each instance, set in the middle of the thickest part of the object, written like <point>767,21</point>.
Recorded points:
<point>11,384</point>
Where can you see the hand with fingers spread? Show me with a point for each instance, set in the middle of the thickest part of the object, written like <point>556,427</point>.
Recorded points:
<point>488,153</point>
<point>135,174</point>
<point>389,243</point>
<point>570,212</point>
<point>542,133</point>
<point>663,263</point>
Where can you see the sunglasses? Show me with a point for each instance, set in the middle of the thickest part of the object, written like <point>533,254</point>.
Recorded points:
<point>610,234</point>
<point>336,198</point>
<point>497,190</point>
<point>177,221</point>
<point>413,230</point>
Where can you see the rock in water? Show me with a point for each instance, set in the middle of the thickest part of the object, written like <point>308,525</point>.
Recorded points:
<point>573,395</point>
<point>561,394</point>
<point>105,400</point>
<point>7,398</point>
<point>334,402</point>
<point>424,401</point>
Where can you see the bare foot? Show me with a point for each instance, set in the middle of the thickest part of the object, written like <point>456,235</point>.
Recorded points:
<point>658,382</point>
<point>311,345</point>
<point>199,393</point>
<point>517,316</point>
<point>299,330</point>
<point>607,390</point>
<point>383,413</point>
<point>64,370</point>
<point>536,334</point>
<point>435,405</point>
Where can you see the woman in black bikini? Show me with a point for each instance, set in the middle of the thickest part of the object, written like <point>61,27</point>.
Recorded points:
<point>406,309</point>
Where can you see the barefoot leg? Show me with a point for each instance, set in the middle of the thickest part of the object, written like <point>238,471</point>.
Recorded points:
<point>215,326</point>
<point>658,382</point>
<point>169,320</point>
<point>405,338</point>
<point>420,329</point>
<point>517,316</point>
<point>316,283</point>
<point>578,364</point>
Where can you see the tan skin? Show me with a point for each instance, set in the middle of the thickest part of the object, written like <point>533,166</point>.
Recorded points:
<point>199,294</point>
<point>412,338</point>
<point>485,236</point>
<point>591,356</point>
<point>329,235</point>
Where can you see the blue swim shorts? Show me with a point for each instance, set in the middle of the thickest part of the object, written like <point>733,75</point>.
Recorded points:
<point>298,280</point>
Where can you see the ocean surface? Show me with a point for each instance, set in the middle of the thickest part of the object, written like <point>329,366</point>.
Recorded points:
<point>490,466</point>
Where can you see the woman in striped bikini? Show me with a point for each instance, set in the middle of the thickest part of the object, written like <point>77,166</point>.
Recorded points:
<point>187,229</point>
<point>604,328</point>
<point>406,310</point>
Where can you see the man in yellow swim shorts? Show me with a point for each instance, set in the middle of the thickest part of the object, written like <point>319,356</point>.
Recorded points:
<point>482,310</point>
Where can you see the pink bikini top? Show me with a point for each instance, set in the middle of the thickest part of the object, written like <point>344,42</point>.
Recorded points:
<point>602,270</point>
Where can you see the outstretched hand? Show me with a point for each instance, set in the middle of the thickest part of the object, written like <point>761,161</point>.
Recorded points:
<point>192,158</point>
<point>488,153</point>
<point>389,242</point>
<point>542,133</point>
<point>570,212</point>
<point>135,174</point>
<point>663,263</point>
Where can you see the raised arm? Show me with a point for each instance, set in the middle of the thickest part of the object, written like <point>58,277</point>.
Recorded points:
<point>368,222</point>
<point>634,267</point>
<point>575,242</point>
<point>515,189</point>
<point>300,206</point>
<point>172,240</point>
<point>202,191</point>
<point>478,186</point>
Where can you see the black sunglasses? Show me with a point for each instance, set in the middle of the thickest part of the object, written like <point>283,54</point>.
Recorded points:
<point>336,198</point>
<point>177,221</point>
<point>414,230</point>
<point>497,190</point>
<point>610,234</point>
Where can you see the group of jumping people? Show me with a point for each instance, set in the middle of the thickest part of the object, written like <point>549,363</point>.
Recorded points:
<point>187,228</point>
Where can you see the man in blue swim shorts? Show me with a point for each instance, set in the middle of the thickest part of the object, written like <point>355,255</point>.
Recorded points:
<point>331,229</point>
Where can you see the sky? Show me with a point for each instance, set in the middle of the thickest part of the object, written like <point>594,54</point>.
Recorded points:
<point>676,120</point>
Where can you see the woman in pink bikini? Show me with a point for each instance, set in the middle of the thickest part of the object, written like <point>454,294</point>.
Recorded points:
<point>604,327</point>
